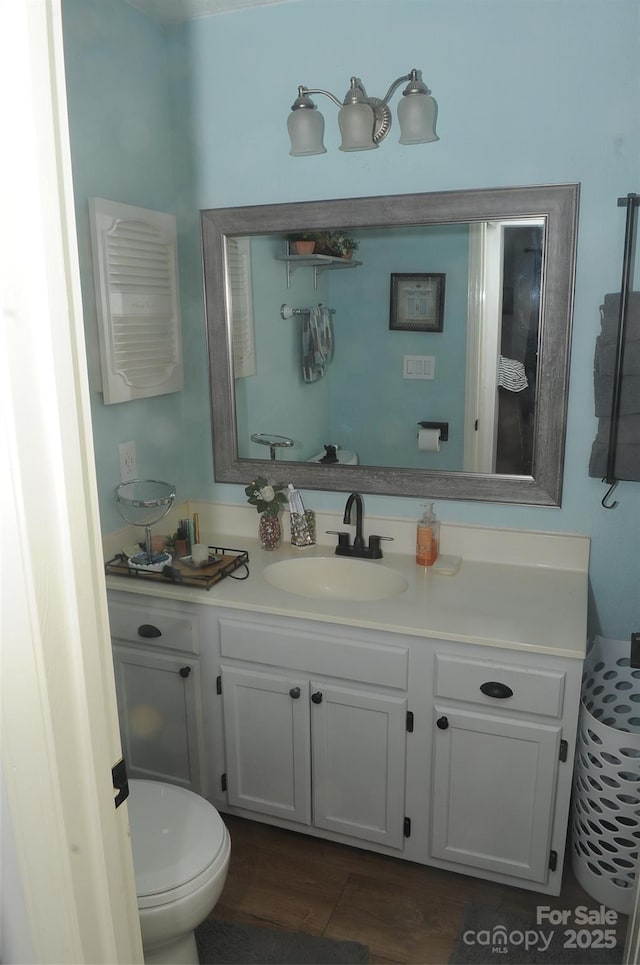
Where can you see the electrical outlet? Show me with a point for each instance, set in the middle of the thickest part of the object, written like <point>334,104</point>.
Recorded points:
<point>128,461</point>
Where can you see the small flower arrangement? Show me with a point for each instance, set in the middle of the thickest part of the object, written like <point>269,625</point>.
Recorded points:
<point>336,243</point>
<point>267,497</point>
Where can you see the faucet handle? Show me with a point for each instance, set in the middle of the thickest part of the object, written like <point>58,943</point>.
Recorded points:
<point>375,551</point>
<point>343,540</point>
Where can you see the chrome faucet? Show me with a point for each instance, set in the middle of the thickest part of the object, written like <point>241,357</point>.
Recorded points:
<point>358,548</point>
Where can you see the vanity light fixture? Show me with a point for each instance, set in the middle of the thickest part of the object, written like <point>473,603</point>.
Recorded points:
<point>364,121</point>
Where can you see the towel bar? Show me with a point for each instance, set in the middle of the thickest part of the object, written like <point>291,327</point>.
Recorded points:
<point>286,311</point>
<point>631,203</point>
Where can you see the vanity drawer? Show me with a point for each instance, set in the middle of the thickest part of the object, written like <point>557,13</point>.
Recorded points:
<point>315,653</point>
<point>534,691</point>
<point>157,626</point>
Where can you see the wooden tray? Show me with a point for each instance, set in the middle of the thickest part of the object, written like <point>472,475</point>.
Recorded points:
<point>185,573</point>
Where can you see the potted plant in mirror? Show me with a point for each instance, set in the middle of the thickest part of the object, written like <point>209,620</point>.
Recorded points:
<point>268,498</point>
<point>303,243</point>
<point>336,243</point>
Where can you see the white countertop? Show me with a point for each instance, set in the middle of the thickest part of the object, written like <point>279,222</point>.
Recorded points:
<point>539,607</point>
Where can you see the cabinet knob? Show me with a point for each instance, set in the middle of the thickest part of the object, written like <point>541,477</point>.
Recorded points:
<point>317,697</point>
<point>148,630</point>
<point>442,723</point>
<point>294,692</point>
<point>185,671</point>
<point>494,689</point>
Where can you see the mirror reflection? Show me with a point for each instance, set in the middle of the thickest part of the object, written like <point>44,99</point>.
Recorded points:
<point>364,392</point>
<point>453,311</point>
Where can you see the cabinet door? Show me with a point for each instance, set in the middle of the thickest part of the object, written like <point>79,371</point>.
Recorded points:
<point>266,724</point>
<point>159,712</point>
<point>358,750</point>
<point>493,791</point>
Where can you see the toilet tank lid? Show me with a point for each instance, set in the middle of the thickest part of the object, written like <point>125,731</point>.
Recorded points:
<point>175,835</point>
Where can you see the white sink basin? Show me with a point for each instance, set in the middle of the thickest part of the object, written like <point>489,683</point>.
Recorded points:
<point>335,578</point>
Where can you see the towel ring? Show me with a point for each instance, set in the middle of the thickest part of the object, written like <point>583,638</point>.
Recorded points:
<point>274,442</point>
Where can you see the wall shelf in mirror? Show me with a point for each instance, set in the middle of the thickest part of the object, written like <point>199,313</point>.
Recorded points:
<point>412,232</point>
<point>319,263</point>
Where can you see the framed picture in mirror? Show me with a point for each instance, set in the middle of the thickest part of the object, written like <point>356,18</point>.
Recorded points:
<point>417,302</point>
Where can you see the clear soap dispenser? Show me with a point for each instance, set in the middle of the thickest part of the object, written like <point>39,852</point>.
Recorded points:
<point>427,537</point>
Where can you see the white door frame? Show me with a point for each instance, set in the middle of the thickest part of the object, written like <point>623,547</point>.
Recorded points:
<point>483,347</point>
<point>484,331</point>
<point>73,866</point>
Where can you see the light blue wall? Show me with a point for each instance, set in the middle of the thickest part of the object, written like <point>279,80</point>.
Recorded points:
<point>277,400</point>
<point>375,410</point>
<point>362,402</point>
<point>119,88</point>
<point>529,92</point>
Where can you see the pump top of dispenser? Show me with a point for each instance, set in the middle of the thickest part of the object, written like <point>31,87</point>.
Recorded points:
<point>428,515</point>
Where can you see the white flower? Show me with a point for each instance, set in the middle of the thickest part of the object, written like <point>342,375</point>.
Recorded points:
<point>267,493</point>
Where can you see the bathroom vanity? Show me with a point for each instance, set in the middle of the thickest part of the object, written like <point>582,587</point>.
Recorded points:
<point>437,726</point>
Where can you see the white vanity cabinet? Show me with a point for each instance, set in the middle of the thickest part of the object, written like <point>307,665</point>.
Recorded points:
<point>157,674</point>
<point>266,725</point>
<point>453,754</point>
<point>315,729</point>
<point>501,770</point>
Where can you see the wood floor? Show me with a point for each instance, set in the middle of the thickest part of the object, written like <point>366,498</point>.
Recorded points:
<point>404,912</point>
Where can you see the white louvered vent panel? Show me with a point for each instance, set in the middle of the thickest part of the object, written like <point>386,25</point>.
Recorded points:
<point>239,281</point>
<point>135,268</point>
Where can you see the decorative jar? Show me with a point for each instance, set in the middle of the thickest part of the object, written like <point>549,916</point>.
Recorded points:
<point>269,531</point>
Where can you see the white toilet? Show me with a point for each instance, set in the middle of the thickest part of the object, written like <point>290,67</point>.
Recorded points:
<point>181,851</point>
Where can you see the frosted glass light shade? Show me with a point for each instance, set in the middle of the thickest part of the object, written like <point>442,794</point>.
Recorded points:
<point>417,116</point>
<point>306,130</point>
<point>356,126</point>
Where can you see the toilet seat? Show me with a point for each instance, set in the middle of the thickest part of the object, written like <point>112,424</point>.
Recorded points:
<point>179,842</point>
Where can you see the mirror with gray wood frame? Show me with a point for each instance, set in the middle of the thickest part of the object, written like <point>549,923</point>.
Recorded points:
<point>486,376</point>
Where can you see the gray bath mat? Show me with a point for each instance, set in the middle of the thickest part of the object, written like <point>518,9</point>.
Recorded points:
<point>493,934</point>
<point>225,943</point>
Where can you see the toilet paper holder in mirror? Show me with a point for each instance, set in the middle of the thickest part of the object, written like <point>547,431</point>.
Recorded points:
<point>442,426</point>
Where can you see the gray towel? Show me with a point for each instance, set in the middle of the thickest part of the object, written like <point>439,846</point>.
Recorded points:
<point>317,343</point>
<point>627,462</point>
<point>627,454</point>
<point>628,431</point>
<point>611,316</point>
<point>310,371</point>
<point>605,357</point>
<point>629,397</point>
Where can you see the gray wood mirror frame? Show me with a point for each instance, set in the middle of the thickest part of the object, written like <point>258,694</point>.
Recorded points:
<point>557,208</point>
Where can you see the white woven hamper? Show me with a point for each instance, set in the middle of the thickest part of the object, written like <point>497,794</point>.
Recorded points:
<point>605,826</point>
